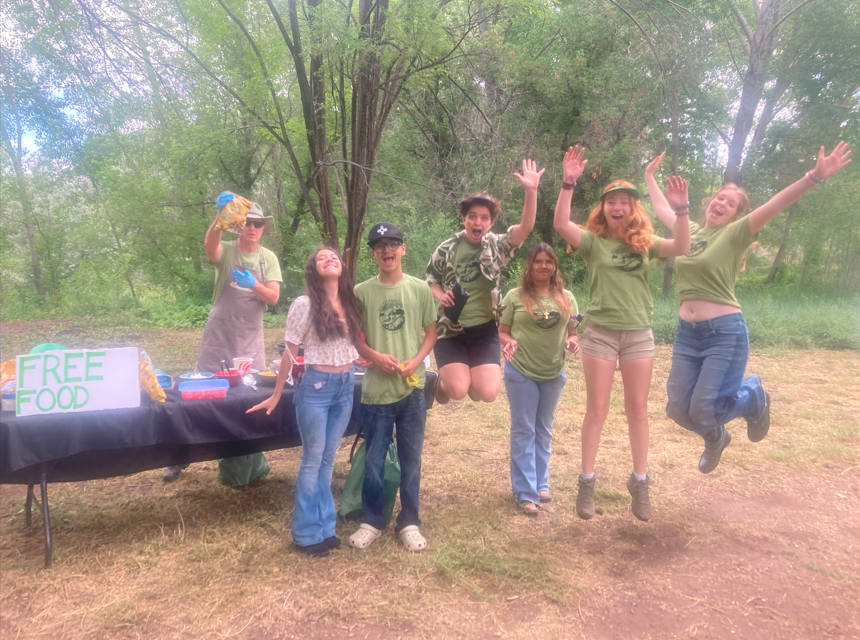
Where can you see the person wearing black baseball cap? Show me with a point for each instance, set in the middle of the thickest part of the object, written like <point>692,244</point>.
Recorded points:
<point>617,245</point>
<point>396,309</point>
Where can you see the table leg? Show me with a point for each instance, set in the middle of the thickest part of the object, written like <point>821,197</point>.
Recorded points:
<point>49,550</point>
<point>28,506</point>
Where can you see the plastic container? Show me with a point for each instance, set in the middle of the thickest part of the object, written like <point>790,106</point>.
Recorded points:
<point>197,375</point>
<point>7,403</point>
<point>203,389</point>
<point>232,376</point>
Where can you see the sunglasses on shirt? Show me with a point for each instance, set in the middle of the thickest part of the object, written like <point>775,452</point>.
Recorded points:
<point>257,224</point>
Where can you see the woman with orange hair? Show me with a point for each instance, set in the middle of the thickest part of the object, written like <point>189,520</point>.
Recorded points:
<point>706,385</point>
<point>617,245</point>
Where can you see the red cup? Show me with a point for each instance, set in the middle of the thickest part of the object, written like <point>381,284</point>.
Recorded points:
<point>243,365</point>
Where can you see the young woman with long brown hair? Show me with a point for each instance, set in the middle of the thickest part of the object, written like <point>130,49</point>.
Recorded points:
<point>706,385</point>
<point>537,327</point>
<point>617,245</point>
<point>326,321</point>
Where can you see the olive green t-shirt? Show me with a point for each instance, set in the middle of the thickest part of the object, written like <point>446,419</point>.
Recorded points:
<point>540,335</point>
<point>710,268</point>
<point>619,294</point>
<point>393,317</point>
<point>224,267</point>
<point>479,307</point>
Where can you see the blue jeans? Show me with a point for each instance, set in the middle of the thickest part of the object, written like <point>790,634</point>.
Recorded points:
<point>377,422</point>
<point>532,411</point>
<point>706,386</point>
<point>323,406</point>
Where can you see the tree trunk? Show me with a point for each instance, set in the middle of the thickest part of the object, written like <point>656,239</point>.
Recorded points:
<point>786,234</point>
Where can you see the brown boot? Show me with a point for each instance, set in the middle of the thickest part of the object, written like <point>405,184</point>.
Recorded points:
<point>585,499</point>
<point>641,503</point>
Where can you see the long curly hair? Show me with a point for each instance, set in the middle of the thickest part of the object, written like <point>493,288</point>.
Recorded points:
<point>637,230</point>
<point>325,319</point>
<point>743,202</point>
<point>528,290</point>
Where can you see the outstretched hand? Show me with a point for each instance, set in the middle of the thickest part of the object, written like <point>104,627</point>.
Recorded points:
<point>573,164</point>
<point>530,177</point>
<point>826,166</point>
<point>651,169</point>
<point>676,192</point>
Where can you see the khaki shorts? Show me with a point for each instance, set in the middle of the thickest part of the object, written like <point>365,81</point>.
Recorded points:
<point>616,344</point>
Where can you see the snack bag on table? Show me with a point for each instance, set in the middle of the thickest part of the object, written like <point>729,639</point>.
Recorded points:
<point>233,215</point>
<point>148,379</point>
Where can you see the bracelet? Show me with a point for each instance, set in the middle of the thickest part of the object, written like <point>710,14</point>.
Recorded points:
<point>815,178</point>
<point>686,205</point>
<point>567,186</point>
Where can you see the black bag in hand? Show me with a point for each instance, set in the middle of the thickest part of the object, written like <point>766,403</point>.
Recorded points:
<point>460,298</point>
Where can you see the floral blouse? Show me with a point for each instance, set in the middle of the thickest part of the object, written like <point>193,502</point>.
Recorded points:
<point>300,330</point>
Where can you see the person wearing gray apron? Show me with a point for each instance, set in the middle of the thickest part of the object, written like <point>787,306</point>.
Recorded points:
<point>234,328</point>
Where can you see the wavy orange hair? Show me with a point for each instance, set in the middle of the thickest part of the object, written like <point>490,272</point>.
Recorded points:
<point>638,228</point>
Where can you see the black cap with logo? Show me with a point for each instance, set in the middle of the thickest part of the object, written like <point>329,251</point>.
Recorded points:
<point>383,230</point>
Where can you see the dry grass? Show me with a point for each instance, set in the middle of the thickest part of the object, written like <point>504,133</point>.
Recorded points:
<point>765,547</point>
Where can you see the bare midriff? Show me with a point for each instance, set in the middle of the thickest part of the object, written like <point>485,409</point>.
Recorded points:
<point>330,368</point>
<point>701,310</point>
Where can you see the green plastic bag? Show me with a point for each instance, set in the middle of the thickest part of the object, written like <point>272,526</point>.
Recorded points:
<point>351,506</point>
<point>241,470</point>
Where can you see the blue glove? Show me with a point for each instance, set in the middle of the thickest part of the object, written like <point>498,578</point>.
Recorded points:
<point>244,280</point>
<point>224,198</point>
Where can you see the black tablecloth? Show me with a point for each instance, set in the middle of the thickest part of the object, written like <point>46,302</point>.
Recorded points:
<point>104,444</point>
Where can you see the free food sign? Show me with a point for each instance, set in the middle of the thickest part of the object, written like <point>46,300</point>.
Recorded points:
<point>79,380</point>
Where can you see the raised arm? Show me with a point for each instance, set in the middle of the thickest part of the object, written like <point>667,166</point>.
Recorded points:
<point>658,201</point>
<point>574,165</point>
<point>678,201</point>
<point>825,167</point>
<point>530,179</point>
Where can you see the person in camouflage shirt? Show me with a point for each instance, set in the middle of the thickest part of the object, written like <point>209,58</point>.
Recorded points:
<point>467,350</point>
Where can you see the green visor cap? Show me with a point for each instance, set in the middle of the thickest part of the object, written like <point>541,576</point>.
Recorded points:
<point>631,190</point>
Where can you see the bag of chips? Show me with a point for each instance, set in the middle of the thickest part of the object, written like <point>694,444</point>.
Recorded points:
<point>148,379</point>
<point>233,214</point>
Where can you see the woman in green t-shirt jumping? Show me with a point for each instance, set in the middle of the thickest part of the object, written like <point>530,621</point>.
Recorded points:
<point>617,245</point>
<point>538,324</point>
<point>706,385</point>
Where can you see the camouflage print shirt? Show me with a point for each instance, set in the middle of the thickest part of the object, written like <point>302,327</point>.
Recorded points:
<point>497,249</point>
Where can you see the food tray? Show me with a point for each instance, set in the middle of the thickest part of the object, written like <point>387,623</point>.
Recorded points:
<point>203,389</point>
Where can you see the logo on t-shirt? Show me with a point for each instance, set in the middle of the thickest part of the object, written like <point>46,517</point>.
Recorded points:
<point>468,267</point>
<point>546,317</point>
<point>627,261</point>
<point>392,315</point>
<point>697,247</point>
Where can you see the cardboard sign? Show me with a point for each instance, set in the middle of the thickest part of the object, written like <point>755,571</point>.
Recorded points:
<point>79,380</point>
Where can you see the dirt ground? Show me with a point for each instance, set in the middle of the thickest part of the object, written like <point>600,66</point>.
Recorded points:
<point>767,546</point>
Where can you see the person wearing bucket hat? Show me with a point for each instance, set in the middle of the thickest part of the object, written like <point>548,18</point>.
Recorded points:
<point>617,246</point>
<point>706,386</point>
<point>467,351</point>
<point>247,278</point>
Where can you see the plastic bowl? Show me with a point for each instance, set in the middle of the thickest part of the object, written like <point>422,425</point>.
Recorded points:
<point>203,389</point>
<point>234,377</point>
<point>267,378</point>
<point>197,375</point>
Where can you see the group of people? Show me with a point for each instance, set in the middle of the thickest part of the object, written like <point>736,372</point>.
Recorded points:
<point>391,322</point>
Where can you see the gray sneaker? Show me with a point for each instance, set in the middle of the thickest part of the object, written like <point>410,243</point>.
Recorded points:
<point>173,472</point>
<point>585,499</point>
<point>641,503</point>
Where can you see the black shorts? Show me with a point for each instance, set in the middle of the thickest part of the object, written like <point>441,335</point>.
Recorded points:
<point>478,345</point>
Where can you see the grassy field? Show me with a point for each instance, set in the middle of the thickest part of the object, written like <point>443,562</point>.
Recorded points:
<point>767,546</point>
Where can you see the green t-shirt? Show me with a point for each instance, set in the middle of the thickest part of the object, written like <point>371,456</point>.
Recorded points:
<point>709,270</point>
<point>619,294</point>
<point>540,337</point>
<point>479,307</point>
<point>393,317</point>
<point>224,267</point>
